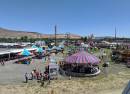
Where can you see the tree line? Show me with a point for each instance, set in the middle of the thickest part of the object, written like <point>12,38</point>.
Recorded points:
<point>27,39</point>
<point>21,39</point>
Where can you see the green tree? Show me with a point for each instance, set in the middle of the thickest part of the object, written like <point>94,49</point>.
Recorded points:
<point>24,39</point>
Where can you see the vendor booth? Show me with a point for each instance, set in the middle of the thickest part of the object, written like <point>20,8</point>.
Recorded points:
<point>53,70</point>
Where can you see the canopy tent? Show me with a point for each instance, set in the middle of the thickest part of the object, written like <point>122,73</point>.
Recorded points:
<point>85,45</point>
<point>58,48</point>
<point>40,50</point>
<point>61,46</point>
<point>82,57</point>
<point>49,49</point>
<point>40,43</point>
<point>34,46</point>
<point>54,47</point>
<point>25,52</point>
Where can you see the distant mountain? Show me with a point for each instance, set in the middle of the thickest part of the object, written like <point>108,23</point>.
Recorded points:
<point>5,33</point>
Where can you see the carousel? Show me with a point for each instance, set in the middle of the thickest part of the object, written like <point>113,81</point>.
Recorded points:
<point>81,64</point>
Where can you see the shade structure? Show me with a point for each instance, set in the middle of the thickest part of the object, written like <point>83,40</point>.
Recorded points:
<point>54,47</point>
<point>61,46</point>
<point>25,52</point>
<point>34,46</point>
<point>49,49</point>
<point>40,50</point>
<point>58,48</point>
<point>82,57</point>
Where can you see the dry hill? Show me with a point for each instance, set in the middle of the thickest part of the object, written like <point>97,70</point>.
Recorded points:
<point>5,33</point>
<point>12,33</point>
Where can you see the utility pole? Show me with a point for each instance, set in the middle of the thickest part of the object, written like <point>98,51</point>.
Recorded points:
<point>55,35</point>
<point>115,35</point>
<point>116,38</point>
<point>67,36</point>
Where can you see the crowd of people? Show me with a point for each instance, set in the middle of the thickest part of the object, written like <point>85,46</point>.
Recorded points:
<point>37,75</point>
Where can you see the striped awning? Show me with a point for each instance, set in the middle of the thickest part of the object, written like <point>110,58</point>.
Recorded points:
<point>82,57</point>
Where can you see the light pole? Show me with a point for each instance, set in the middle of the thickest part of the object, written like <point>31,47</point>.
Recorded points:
<point>67,37</point>
<point>116,38</point>
<point>55,35</point>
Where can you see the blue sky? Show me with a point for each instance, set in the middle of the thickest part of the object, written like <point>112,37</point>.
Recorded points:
<point>84,17</point>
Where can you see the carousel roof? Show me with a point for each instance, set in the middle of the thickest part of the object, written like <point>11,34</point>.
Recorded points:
<point>82,57</point>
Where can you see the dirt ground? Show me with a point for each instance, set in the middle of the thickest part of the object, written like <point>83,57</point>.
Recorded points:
<point>112,83</point>
<point>101,84</point>
<point>76,86</point>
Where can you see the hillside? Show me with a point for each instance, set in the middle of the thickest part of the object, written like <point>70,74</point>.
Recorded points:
<point>58,36</point>
<point>5,33</point>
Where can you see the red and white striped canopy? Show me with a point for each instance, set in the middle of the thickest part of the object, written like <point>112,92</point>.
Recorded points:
<point>82,57</point>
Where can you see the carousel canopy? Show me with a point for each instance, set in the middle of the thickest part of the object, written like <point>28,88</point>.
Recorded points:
<point>82,57</point>
<point>85,45</point>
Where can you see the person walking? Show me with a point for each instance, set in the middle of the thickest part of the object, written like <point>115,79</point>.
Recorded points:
<point>42,81</point>
<point>37,75</point>
<point>32,75</point>
<point>40,75</point>
<point>105,68</point>
<point>26,77</point>
<point>49,78</point>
